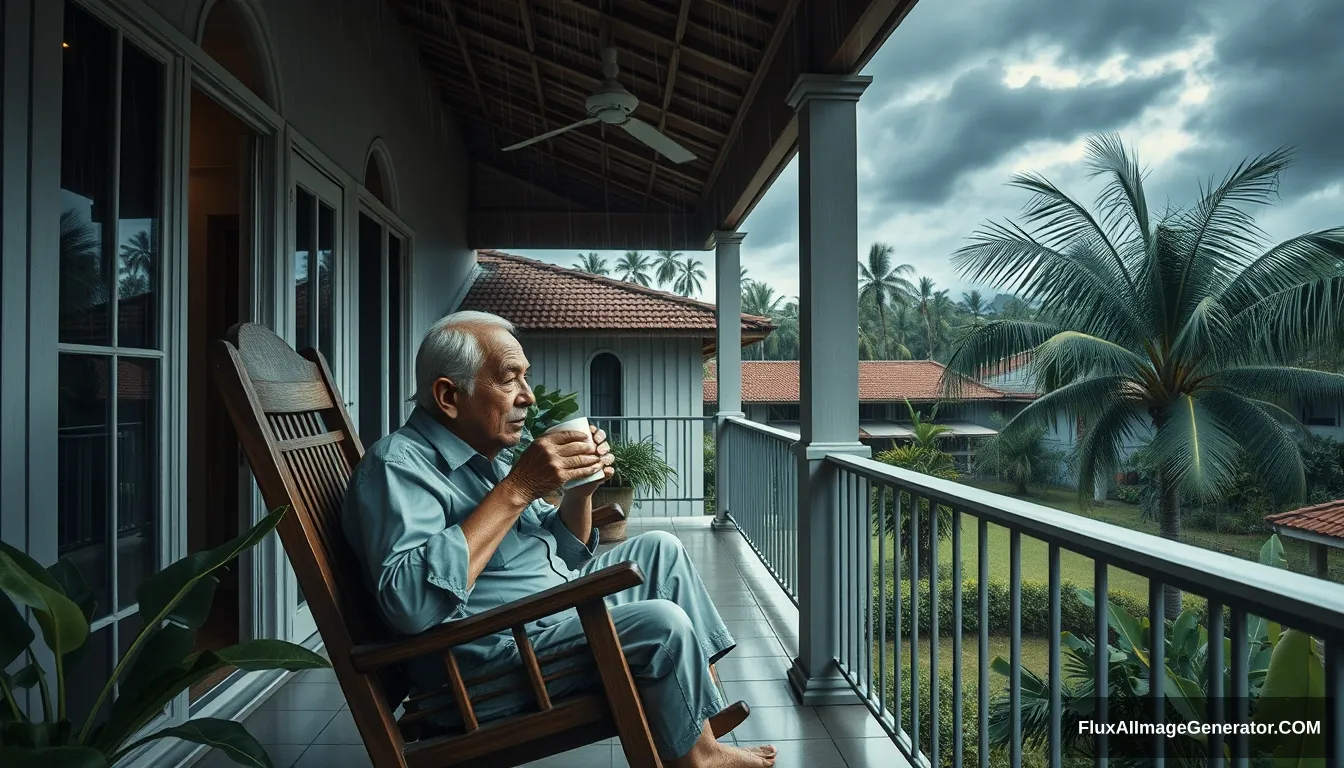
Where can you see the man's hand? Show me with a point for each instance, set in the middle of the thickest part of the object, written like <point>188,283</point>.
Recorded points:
<point>604,452</point>
<point>551,461</point>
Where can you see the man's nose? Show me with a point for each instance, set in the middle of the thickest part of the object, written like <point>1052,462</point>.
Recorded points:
<point>527,397</point>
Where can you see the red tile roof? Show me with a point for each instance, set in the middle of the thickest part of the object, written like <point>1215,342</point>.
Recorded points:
<point>537,296</point>
<point>1325,519</point>
<point>880,381</point>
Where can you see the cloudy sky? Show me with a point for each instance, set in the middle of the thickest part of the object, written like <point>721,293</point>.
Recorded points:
<point>967,92</point>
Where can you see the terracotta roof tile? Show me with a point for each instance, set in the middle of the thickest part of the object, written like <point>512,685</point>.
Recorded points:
<point>1325,519</point>
<point>776,381</point>
<point>537,296</point>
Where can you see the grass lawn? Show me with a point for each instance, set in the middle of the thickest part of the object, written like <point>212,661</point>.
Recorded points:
<point>1035,657</point>
<point>1079,569</point>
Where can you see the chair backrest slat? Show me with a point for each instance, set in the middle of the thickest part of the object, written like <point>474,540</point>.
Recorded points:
<point>303,448</point>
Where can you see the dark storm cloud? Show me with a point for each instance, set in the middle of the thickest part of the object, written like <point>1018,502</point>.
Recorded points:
<point>1277,80</point>
<point>775,219</point>
<point>944,35</point>
<point>932,145</point>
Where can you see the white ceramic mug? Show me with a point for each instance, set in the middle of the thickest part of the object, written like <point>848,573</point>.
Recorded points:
<point>578,424</point>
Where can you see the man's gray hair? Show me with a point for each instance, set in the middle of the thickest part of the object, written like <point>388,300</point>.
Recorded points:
<point>450,350</point>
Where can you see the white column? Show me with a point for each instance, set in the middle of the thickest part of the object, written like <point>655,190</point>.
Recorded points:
<point>828,241</point>
<point>728,346</point>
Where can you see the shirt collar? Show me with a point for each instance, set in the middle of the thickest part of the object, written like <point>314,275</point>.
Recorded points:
<point>452,448</point>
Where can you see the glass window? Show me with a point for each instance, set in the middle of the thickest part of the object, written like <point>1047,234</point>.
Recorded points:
<point>396,389</point>
<point>109,409</point>
<point>604,396</point>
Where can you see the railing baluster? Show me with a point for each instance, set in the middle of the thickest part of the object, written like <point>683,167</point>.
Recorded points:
<point>864,513</point>
<point>1214,665</point>
<point>1015,646</point>
<point>1157,657</point>
<point>934,637</point>
<point>846,598</point>
<point>1102,660</point>
<point>982,565</point>
<point>1237,671</point>
<point>882,598</point>
<point>914,623</point>
<point>958,745</point>
<point>897,560</point>
<point>1056,744</point>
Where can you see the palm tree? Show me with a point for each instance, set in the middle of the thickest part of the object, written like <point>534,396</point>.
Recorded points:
<point>760,299</point>
<point>974,305</point>
<point>885,284</point>
<point>688,278</point>
<point>592,264</point>
<point>1186,323</point>
<point>668,265</point>
<point>926,298</point>
<point>633,268</point>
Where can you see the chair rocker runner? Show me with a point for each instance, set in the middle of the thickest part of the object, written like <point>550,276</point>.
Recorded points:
<point>302,447</point>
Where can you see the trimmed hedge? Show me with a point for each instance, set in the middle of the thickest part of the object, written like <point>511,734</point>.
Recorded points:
<point>1032,756</point>
<point>1075,616</point>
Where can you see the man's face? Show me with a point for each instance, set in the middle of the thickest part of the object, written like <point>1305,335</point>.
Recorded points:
<point>490,419</point>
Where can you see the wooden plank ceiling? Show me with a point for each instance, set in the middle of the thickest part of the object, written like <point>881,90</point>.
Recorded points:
<point>513,69</point>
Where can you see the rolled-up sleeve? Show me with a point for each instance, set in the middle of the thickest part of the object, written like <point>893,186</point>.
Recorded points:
<point>574,552</point>
<point>417,566</point>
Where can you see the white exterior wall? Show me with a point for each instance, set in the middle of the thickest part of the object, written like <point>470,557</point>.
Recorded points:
<point>662,381</point>
<point>347,76</point>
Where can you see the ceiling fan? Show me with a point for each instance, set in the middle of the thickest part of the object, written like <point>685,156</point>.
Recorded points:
<point>612,104</point>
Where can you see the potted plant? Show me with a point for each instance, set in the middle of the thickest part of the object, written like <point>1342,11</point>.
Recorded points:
<point>158,665</point>
<point>639,468</point>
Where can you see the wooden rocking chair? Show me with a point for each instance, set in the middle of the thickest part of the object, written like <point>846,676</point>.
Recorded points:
<point>298,438</point>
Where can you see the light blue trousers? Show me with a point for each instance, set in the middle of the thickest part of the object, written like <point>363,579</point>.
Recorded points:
<point>670,632</point>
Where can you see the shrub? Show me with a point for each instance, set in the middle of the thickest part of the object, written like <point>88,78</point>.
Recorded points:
<point>1075,615</point>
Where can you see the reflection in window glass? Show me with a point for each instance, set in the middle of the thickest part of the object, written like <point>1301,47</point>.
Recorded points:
<point>84,465</point>
<point>326,243</point>
<point>397,389</point>
<point>138,199</point>
<point>303,247</point>
<point>85,678</point>
<point>137,480</point>
<point>86,180</point>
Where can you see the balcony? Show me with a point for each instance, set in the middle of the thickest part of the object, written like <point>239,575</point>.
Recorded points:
<point>897,683</point>
<point>306,723</point>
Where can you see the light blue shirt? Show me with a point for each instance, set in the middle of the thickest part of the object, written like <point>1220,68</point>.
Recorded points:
<point>403,514</point>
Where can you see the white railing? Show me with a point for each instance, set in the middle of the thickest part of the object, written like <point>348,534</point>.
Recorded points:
<point>681,441</point>
<point>760,494</point>
<point>894,611</point>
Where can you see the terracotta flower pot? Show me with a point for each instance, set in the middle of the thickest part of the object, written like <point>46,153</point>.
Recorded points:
<point>620,495</point>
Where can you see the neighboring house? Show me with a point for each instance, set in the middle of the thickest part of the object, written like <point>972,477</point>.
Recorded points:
<point>634,355</point>
<point>770,395</point>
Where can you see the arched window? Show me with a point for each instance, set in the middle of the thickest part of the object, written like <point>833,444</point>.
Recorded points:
<point>230,33</point>
<point>604,393</point>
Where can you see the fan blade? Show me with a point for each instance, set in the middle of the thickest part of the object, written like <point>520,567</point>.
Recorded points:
<point>651,136</point>
<point>549,134</point>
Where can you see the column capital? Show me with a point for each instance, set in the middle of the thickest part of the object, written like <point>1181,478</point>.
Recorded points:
<point>727,237</point>
<point>812,85</point>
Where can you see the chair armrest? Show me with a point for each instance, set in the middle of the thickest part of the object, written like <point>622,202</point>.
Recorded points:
<point>594,586</point>
<point>608,514</point>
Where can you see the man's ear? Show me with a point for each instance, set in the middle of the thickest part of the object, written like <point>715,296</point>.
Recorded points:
<point>448,397</point>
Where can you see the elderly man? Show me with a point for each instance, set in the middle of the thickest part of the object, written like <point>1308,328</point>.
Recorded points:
<point>446,529</point>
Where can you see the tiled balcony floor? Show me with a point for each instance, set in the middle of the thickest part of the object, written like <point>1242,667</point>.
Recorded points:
<point>307,725</point>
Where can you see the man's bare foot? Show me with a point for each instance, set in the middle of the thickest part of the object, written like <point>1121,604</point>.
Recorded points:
<point>708,753</point>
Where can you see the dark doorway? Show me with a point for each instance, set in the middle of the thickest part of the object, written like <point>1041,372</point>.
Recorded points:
<point>381,391</point>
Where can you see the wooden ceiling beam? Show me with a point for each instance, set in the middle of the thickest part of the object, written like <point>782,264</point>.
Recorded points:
<point>700,82</point>
<point>742,13</point>
<point>782,25</point>
<point>456,29</point>
<point>525,6</point>
<point>655,39</point>
<point>590,80</point>
<point>682,18</point>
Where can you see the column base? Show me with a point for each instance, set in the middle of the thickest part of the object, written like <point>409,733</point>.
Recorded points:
<point>722,524</point>
<point>817,691</point>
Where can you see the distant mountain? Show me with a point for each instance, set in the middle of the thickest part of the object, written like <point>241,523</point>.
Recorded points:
<point>1000,302</point>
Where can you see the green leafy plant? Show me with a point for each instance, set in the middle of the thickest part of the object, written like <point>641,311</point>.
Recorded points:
<point>551,407</point>
<point>156,668</point>
<point>639,464</point>
<point>1018,456</point>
